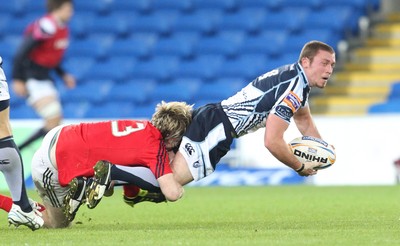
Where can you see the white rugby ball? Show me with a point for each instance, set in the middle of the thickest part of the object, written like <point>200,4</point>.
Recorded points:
<point>311,149</point>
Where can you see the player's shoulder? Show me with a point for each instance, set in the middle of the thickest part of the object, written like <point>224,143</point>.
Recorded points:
<point>47,24</point>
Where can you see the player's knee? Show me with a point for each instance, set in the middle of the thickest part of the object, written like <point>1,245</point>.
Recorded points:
<point>173,195</point>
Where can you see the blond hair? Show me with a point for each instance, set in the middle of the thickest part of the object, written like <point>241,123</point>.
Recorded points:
<point>172,119</point>
<point>311,49</point>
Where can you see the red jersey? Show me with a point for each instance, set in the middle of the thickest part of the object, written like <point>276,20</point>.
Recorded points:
<point>122,142</point>
<point>54,41</point>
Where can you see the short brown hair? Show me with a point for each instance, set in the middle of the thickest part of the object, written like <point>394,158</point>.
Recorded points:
<point>311,48</point>
<point>55,4</point>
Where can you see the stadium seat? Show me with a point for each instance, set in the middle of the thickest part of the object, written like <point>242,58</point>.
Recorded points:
<point>225,5</point>
<point>144,111</point>
<point>247,66</point>
<point>203,67</point>
<point>260,4</point>
<point>94,91</point>
<point>394,91</point>
<point>178,90</point>
<point>182,6</point>
<point>310,4</point>
<point>219,90</point>
<point>78,66</point>
<point>392,106</point>
<point>285,20</point>
<point>99,7</point>
<point>247,19</point>
<point>159,22</point>
<point>137,6</point>
<point>295,42</point>
<point>23,111</point>
<point>203,22</point>
<point>111,110</point>
<point>173,46</point>
<point>89,47</point>
<point>80,23</point>
<point>75,110</point>
<point>136,91</point>
<point>132,46</point>
<point>115,69</point>
<point>33,6</point>
<point>15,7</point>
<point>341,15</point>
<point>217,45</point>
<point>19,24</point>
<point>115,24</point>
<point>9,46</point>
<point>267,43</point>
<point>158,68</point>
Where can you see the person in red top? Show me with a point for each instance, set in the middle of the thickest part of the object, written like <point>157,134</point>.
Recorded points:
<point>44,44</point>
<point>69,152</point>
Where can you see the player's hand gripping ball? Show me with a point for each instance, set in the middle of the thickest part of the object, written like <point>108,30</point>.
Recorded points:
<point>311,149</point>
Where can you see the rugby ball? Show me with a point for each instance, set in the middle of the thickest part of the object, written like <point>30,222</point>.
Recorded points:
<point>311,149</point>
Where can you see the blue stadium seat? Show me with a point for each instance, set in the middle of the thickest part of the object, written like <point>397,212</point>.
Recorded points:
<point>295,42</point>
<point>159,22</point>
<point>217,45</point>
<point>394,91</point>
<point>267,43</point>
<point>173,5</point>
<point>19,24</point>
<point>285,20</point>
<point>138,6</point>
<point>203,67</point>
<point>111,110</point>
<point>219,90</point>
<point>115,24</point>
<point>225,5</point>
<point>203,22</point>
<point>132,46</point>
<point>260,4</point>
<point>310,4</point>
<point>99,7</point>
<point>358,4</point>
<point>75,110</point>
<point>341,18</point>
<point>89,47</point>
<point>173,46</point>
<point>115,69</point>
<point>246,66</point>
<point>94,91</point>
<point>23,111</point>
<point>80,23</point>
<point>144,111</point>
<point>34,6</point>
<point>158,68</point>
<point>392,106</point>
<point>15,7</point>
<point>78,66</point>
<point>9,46</point>
<point>136,91</point>
<point>247,19</point>
<point>178,90</point>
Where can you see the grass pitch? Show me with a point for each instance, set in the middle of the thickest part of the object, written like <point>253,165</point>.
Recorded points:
<point>271,215</point>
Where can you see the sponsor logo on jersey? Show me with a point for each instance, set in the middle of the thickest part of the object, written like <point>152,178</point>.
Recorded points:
<point>196,164</point>
<point>189,148</point>
<point>284,112</point>
<point>293,101</point>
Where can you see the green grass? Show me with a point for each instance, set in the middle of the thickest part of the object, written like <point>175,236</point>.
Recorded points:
<point>278,215</point>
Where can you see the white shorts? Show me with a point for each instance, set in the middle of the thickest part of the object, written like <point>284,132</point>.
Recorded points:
<point>45,175</point>
<point>37,89</point>
<point>4,93</point>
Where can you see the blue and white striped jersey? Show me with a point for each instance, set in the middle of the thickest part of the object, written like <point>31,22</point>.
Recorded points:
<point>281,91</point>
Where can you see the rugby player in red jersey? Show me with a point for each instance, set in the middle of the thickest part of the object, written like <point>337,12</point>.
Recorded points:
<point>68,153</point>
<point>44,44</point>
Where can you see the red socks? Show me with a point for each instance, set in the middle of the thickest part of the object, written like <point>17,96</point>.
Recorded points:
<point>131,190</point>
<point>6,203</point>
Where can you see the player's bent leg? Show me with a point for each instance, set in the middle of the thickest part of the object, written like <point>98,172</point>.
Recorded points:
<point>54,217</point>
<point>101,180</point>
<point>133,195</point>
<point>75,197</point>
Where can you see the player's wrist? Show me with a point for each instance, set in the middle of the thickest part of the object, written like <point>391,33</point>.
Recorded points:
<point>301,168</point>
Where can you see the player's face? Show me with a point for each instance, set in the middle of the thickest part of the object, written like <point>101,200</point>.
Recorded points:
<point>319,70</point>
<point>66,11</point>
